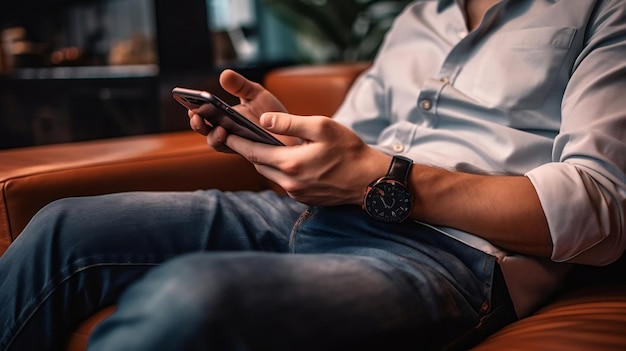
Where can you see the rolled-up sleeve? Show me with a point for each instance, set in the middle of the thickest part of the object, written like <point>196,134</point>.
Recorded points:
<point>585,214</point>
<point>583,192</point>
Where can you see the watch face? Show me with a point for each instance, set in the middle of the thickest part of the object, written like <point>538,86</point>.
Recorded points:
<point>388,201</point>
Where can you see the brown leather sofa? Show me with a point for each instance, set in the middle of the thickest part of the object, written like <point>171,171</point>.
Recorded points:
<point>589,314</point>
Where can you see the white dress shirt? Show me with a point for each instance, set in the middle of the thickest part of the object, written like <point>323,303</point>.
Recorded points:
<point>537,89</point>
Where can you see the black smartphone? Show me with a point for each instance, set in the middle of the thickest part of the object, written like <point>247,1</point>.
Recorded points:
<point>218,113</point>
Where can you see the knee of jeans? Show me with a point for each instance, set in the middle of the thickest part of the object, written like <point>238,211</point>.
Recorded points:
<point>182,302</point>
<point>55,230</point>
<point>52,215</point>
<point>42,225</point>
<point>184,289</point>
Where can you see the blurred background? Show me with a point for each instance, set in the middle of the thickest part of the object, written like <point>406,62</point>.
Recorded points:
<point>75,70</point>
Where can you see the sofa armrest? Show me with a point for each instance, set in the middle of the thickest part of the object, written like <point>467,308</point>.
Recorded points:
<point>32,177</point>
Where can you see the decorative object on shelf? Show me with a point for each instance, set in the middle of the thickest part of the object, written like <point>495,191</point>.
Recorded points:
<point>19,50</point>
<point>139,49</point>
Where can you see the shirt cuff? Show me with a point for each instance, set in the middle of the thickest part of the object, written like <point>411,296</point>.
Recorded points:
<point>583,218</point>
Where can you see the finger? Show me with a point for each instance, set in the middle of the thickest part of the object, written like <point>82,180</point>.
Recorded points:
<point>237,85</point>
<point>312,128</point>
<point>256,153</point>
<point>274,175</point>
<point>199,125</point>
<point>216,138</point>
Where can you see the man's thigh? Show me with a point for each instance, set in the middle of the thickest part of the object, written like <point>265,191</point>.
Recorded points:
<point>270,301</point>
<point>164,224</point>
<point>348,283</point>
<point>78,254</point>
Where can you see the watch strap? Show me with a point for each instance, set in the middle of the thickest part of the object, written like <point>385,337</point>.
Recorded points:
<point>399,169</point>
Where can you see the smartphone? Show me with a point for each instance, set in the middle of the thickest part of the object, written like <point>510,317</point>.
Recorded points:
<point>218,113</point>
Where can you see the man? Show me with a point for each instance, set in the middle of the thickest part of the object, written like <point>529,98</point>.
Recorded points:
<point>506,124</point>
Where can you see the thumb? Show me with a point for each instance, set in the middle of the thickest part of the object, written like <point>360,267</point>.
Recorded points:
<point>237,85</point>
<point>287,124</point>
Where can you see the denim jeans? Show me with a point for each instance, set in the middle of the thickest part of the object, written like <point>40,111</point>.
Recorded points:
<point>242,271</point>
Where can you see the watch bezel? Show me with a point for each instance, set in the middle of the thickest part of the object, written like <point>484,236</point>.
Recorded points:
<point>401,213</point>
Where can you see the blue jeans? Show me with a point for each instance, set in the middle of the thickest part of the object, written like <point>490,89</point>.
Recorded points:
<point>242,271</point>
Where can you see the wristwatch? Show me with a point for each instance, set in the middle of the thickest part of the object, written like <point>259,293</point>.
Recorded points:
<point>388,199</point>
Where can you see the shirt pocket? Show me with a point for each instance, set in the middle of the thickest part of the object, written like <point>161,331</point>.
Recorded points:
<point>518,68</point>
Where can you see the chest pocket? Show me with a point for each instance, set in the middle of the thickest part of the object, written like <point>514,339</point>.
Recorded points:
<point>520,67</point>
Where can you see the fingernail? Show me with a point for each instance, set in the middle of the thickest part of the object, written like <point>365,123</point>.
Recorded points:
<point>268,120</point>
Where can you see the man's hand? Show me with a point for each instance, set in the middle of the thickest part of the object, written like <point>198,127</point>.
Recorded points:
<point>254,101</point>
<point>331,166</point>
<point>325,162</point>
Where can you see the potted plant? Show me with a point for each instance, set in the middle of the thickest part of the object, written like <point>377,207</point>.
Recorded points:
<point>337,30</point>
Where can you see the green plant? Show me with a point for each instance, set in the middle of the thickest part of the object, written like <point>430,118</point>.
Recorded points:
<point>338,30</point>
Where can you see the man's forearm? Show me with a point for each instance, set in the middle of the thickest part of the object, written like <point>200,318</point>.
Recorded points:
<point>504,210</point>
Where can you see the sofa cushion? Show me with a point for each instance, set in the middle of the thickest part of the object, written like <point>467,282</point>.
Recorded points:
<point>587,319</point>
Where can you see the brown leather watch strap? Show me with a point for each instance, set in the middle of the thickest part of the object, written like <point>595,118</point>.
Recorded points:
<point>399,169</point>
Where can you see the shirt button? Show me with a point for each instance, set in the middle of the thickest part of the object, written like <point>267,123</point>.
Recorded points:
<point>398,147</point>
<point>426,104</point>
<point>444,80</point>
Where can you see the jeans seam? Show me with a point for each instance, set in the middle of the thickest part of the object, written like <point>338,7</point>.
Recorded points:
<point>22,321</point>
<point>490,263</point>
